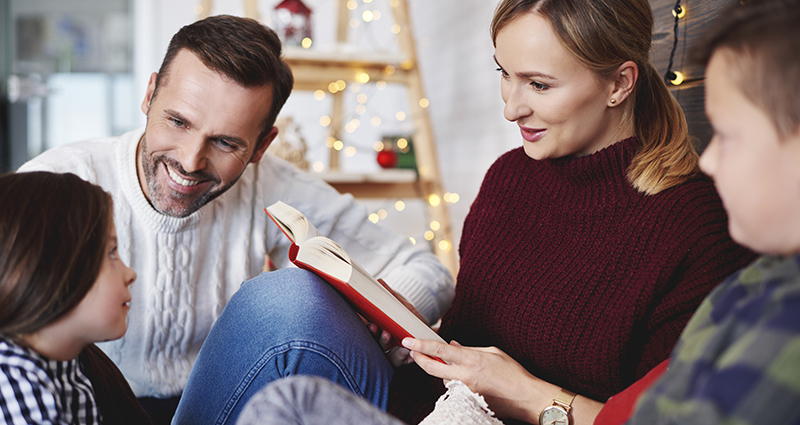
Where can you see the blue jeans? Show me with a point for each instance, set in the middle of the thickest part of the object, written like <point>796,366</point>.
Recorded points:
<point>282,323</point>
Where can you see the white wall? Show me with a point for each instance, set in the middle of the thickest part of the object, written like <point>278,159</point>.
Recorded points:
<point>455,56</point>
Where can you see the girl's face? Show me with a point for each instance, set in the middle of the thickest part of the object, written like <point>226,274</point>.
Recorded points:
<point>560,106</point>
<point>757,174</point>
<point>102,313</point>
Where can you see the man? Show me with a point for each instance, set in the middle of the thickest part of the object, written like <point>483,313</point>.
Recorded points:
<point>189,206</point>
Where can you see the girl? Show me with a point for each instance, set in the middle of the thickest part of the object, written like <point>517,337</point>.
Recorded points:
<point>62,288</point>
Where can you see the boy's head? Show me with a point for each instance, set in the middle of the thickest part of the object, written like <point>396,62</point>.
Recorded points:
<point>752,58</point>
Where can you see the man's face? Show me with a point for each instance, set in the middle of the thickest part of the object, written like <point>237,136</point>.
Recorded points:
<point>202,131</point>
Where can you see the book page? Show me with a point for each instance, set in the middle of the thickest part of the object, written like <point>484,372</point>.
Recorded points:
<point>292,222</point>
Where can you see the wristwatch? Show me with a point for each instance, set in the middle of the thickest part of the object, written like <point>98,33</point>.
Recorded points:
<point>558,412</point>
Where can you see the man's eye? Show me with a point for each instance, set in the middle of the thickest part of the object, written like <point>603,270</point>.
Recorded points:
<point>176,122</point>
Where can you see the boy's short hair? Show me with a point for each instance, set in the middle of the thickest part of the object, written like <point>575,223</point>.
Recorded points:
<point>764,37</point>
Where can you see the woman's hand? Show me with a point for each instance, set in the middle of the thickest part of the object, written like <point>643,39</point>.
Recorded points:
<point>510,390</point>
<point>396,354</point>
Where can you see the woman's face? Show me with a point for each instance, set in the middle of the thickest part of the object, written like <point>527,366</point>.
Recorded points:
<point>559,104</point>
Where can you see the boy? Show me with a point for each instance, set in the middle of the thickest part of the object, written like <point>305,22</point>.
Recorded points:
<point>738,360</point>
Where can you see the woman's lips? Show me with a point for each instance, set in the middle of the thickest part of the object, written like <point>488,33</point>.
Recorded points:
<point>531,134</point>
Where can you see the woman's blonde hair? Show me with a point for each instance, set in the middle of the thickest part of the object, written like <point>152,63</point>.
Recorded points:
<point>603,34</point>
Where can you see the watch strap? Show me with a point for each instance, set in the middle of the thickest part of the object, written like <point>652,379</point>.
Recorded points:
<point>565,399</point>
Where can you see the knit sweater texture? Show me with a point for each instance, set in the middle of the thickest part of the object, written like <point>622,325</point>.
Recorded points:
<point>583,280</point>
<point>188,268</point>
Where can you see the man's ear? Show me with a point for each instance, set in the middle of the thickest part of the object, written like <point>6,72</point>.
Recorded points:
<point>148,95</point>
<point>624,81</point>
<point>264,144</point>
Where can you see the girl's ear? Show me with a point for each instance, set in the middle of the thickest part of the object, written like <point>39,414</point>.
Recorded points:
<point>624,81</point>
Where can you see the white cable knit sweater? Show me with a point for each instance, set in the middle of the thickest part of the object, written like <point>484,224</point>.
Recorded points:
<point>188,268</point>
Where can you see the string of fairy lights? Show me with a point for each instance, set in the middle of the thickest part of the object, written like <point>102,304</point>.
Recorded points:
<point>364,90</point>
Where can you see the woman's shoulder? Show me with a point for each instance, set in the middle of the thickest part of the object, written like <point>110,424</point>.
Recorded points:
<point>698,192</point>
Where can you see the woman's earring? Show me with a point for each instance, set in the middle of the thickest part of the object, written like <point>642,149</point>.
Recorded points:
<point>613,101</point>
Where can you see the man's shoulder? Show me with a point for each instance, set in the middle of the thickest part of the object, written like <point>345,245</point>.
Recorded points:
<point>93,160</point>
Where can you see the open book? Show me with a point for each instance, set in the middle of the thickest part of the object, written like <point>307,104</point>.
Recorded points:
<point>319,254</point>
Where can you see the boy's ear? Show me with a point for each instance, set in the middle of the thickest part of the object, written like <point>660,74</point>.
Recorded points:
<point>624,81</point>
<point>264,144</point>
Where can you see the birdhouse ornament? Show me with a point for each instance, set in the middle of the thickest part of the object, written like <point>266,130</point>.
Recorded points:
<point>292,22</point>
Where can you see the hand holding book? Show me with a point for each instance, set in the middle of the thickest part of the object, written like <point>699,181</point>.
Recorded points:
<point>371,298</point>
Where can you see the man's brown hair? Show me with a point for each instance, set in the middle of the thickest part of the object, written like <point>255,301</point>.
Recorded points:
<point>239,48</point>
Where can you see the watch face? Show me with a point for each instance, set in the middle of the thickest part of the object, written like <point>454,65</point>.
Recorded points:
<point>554,415</point>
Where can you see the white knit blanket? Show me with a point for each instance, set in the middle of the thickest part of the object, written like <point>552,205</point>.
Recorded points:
<point>460,406</point>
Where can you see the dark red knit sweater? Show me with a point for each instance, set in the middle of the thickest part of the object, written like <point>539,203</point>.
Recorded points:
<point>583,280</point>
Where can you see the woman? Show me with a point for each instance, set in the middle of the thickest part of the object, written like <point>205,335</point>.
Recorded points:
<point>62,288</point>
<point>588,248</point>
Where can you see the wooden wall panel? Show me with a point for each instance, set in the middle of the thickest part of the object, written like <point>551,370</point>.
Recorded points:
<point>699,13</point>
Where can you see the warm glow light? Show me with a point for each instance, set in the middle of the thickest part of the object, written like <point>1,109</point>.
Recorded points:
<point>400,115</point>
<point>318,167</point>
<point>367,1</point>
<point>361,98</point>
<point>380,85</point>
<point>360,109</point>
<point>306,43</point>
<point>402,143</point>
<point>374,218</point>
<point>413,241</point>
<point>333,88</point>
<point>389,70</point>
<point>434,200</point>
<point>378,146</point>
<point>329,141</point>
<point>324,120</point>
<point>678,78</point>
<point>681,14</point>
<point>376,121</point>
<point>394,3</point>
<point>396,29</point>
<point>376,15</point>
<point>338,145</point>
<point>198,9</point>
<point>363,78</point>
<point>382,214</point>
<point>350,150</point>
<point>429,235</point>
<point>352,4</point>
<point>435,225</point>
<point>319,95</point>
<point>444,245</point>
<point>367,16</point>
<point>399,205</point>
<point>407,64</point>
<point>341,85</point>
<point>450,198</point>
<point>354,23</point>
<point>424,102</point>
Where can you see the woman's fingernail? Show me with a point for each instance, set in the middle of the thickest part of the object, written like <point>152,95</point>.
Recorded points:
<point>407,342</point>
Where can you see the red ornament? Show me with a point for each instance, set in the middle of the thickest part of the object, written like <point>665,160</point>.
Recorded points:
<point>387,158</point>
<point>292,21</point>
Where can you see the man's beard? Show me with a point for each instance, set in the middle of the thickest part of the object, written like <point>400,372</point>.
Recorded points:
<point>163,199</point>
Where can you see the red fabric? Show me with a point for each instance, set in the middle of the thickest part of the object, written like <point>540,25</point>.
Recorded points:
<point>618,409</point>
<point>572,272</point>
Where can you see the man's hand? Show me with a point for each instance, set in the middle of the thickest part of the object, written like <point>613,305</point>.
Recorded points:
<point>395,353</point>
